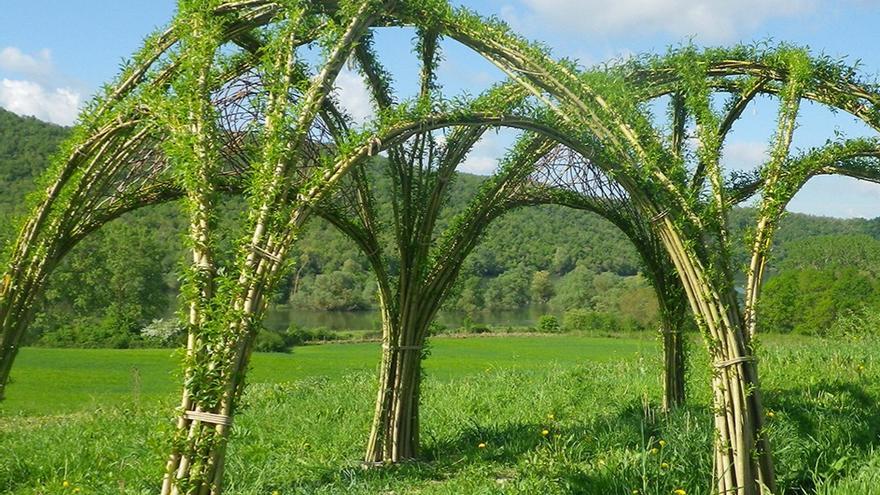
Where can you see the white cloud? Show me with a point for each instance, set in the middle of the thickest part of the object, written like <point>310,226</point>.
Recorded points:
<point>837,196</point>
<point>14,60</point>
<point>354,96</point>
<point>38,90</point>
<point>744,155</point>
<point>58,105</point>
<point>483,158</point>
<point>712,20</point>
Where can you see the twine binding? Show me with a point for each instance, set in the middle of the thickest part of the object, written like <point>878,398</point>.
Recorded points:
<point>660,216</point>
<point>206,417</point>
<point>734,361</point>
<point>402,347</point>
<point>266,254</point>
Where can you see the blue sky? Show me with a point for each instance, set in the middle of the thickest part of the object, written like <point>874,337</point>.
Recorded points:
<point>48,68</point>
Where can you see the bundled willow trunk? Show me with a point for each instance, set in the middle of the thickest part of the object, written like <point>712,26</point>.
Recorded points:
<point>196,462</point>
<point>673,308</point>
<point>18,297</point>
<point>675,317</point>
<point>742,462</point>
<point>426,258</point>
<point>424,281</point>
<point>672,324</point>
<point>394,436</point>
<point>226,310</point>
<point>17,309</point>
<point>611,201</point>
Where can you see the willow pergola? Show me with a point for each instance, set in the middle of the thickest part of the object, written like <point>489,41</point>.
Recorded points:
<point>565,177</point>
<point>427,258</point>
<point>156,134</point>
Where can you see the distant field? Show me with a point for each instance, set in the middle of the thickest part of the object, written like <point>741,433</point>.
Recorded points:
<point>85,417</point>
<point>53,381</point>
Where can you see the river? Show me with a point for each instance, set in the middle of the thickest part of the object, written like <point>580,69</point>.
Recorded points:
<point>281,317</point>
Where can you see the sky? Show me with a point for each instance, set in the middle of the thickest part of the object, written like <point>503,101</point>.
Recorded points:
<point>49,68</point>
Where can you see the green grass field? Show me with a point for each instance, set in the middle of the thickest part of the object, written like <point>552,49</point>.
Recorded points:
<point>54,381</point>
<point>98,419</point>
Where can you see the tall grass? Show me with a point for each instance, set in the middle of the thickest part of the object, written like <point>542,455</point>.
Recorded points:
<point>514,420</point>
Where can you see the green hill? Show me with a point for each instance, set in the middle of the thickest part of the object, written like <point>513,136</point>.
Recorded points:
<point>542,255</point>
<point>25,146</point>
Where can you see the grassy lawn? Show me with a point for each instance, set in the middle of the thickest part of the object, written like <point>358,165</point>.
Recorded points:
<point>55,381</point>
<point>85,417</point>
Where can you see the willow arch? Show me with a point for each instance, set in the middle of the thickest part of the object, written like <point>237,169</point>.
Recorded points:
<point>420,175</point>
<point>165,97</point>
<point>788,74</point>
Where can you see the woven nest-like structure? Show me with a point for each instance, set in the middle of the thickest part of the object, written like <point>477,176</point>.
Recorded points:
<point>222,101</point>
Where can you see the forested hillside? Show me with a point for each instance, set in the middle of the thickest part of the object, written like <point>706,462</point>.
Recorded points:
<point>124,277</point>
<point>25,146</point>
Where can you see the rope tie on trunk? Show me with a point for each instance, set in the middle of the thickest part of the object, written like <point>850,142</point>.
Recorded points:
<point>734,361</point>
<point>206,417</point>
<point>265,254</point>
<point>402,347</point>
<point>660,216</point>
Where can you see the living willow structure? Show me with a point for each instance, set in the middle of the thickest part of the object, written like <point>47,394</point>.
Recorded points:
<point>223,101</point>
<point>418,271</point>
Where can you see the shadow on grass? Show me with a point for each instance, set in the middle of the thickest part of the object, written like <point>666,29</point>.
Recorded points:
<point>819,433</point>
<point>570,454</point>
<point>822,431</point>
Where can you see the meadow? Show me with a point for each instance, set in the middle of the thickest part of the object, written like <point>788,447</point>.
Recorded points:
<point>552,414</point>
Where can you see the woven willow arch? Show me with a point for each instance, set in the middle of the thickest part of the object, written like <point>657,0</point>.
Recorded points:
<point>790,75</point>
<point>567,178</point>
<point>745,73</point>
<point>166,101</point>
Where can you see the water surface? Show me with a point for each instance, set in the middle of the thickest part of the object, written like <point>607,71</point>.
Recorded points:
<point>281,317</point>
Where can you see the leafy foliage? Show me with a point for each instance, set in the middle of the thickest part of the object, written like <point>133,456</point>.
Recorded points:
<point>25,147</point>
<point>116,281</point>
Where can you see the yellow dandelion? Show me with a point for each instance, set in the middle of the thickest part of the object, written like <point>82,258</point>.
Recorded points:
<point>545,432</point>
<point>662,443</point>
<point>65,484</point>
<point>771,414</point>
<point>664,465</point>
<point>679,491</point>
<point>276,492</point>
<point>482,445</point>
<point>551,416</point>
<point>655,450</point>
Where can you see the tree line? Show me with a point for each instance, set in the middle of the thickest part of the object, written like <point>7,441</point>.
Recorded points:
<point>120,281</point>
